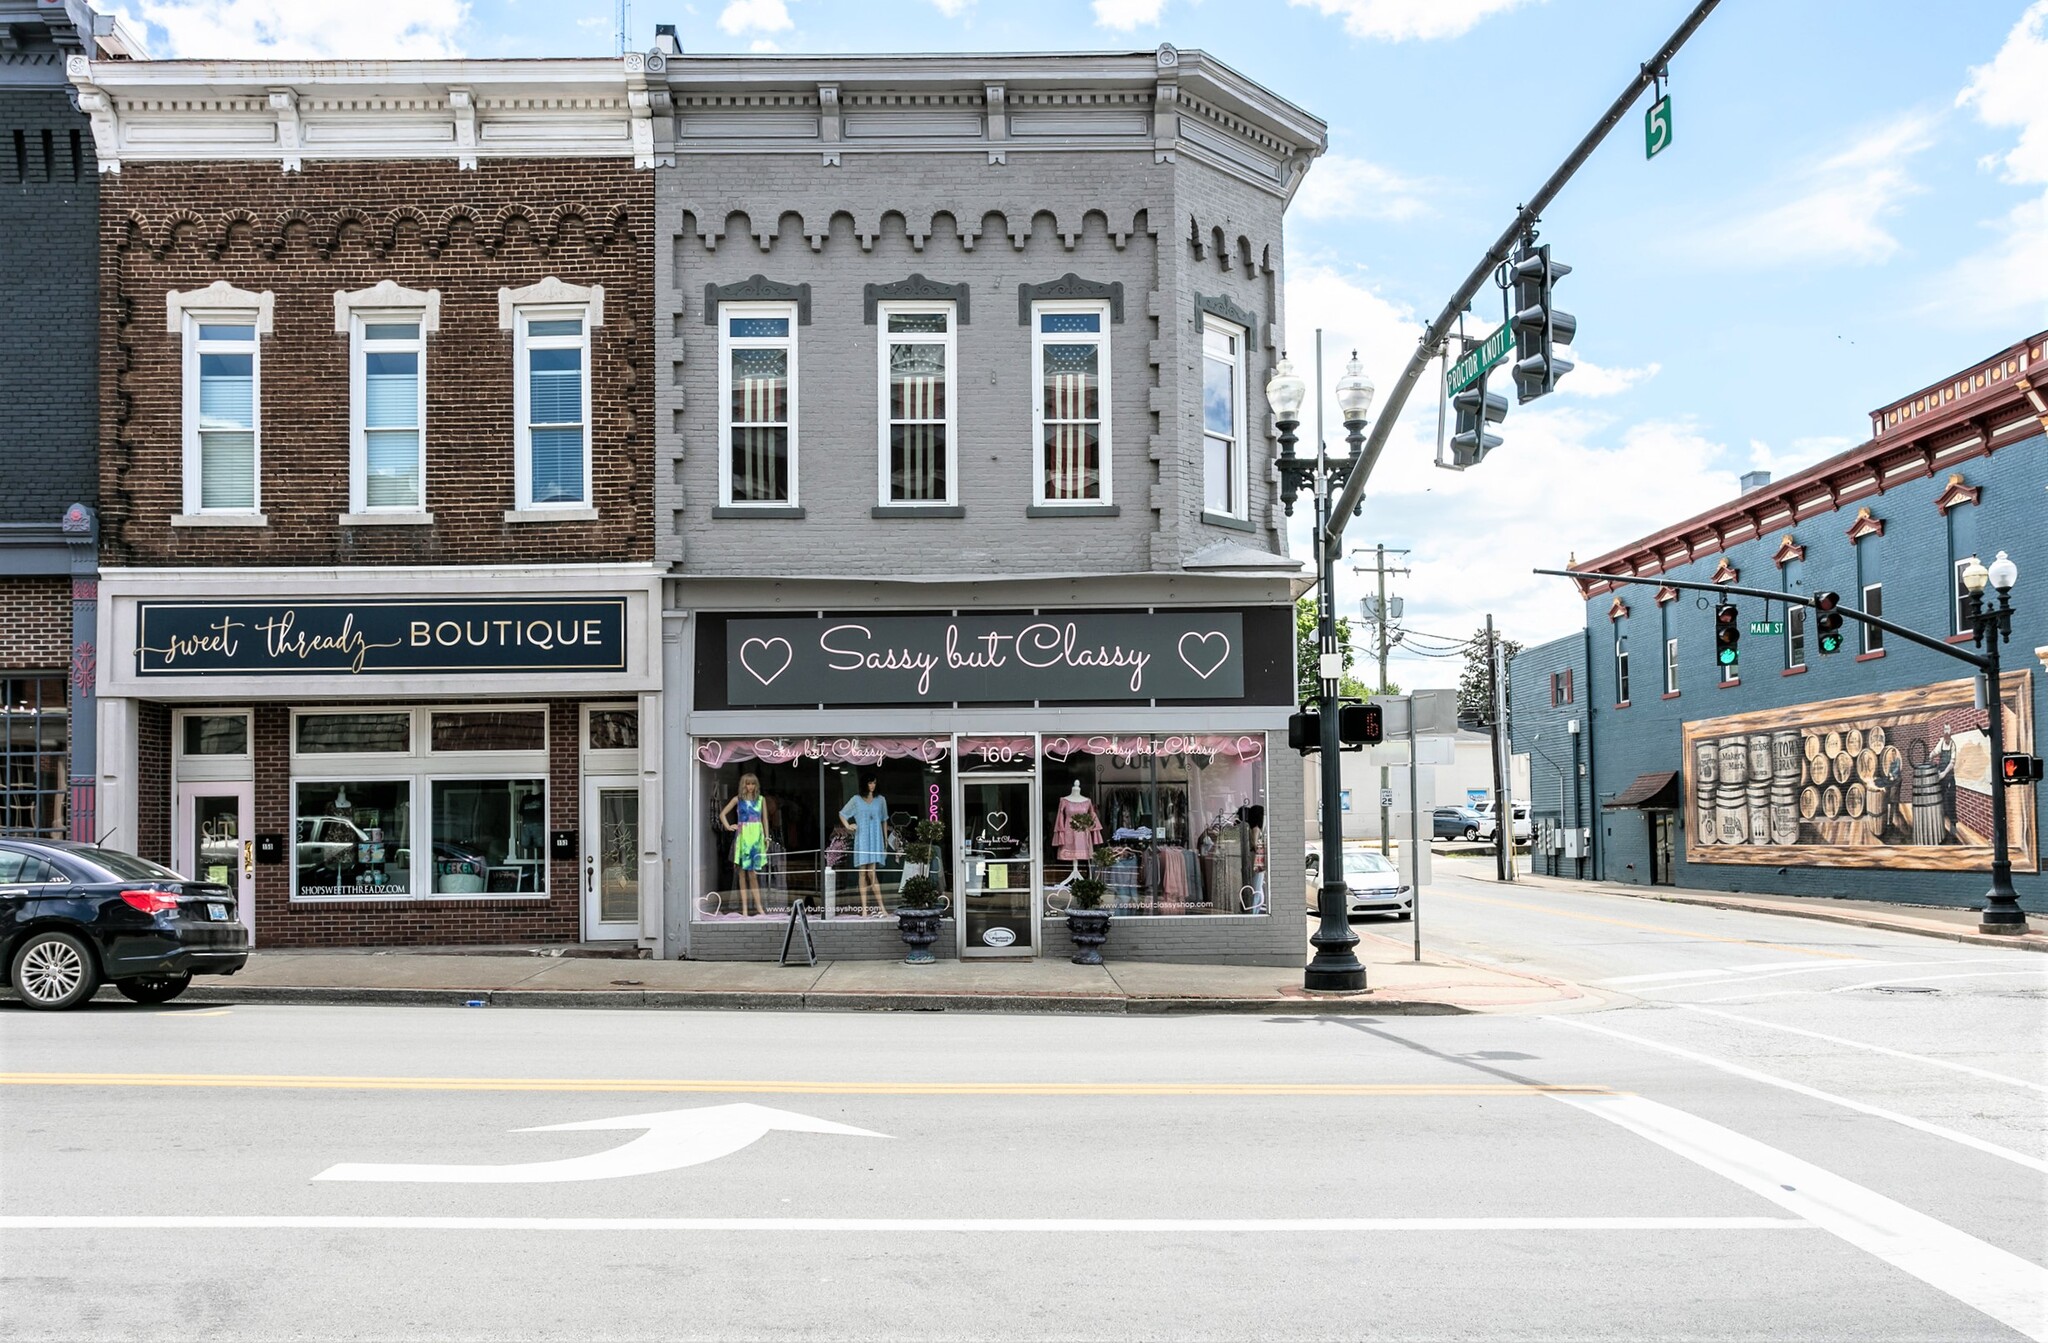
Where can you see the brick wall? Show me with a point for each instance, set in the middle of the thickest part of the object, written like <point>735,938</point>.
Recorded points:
<point>345,226</point>
<point>49,287</point>
<point>152,838</point>
<point>35,632</point>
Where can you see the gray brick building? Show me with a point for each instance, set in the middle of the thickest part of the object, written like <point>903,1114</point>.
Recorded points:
<point>49,295</point>
<point>1866,773</point>
<point>961,358</point>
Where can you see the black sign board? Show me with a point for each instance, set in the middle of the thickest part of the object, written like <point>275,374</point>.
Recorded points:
<point>562,845</point>
<point>327,636</point>
<point>270,848</point>
<point>1093,656</point>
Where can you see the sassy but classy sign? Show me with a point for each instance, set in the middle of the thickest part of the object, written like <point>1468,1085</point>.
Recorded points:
<point>986,659</point>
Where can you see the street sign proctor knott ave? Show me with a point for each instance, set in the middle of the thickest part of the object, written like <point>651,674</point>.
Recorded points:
<point>1477,361</point>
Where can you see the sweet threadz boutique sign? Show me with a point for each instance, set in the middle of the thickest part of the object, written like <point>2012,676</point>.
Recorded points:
<point>1020,658</point>
<point>323,637</point>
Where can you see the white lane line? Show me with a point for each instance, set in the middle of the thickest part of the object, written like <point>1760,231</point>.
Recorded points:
<point>2004,1286</point>
<point>1923,979</point>
<point>1991,1148</point>
<point>1060,1225</point>
<point>1731,970</point>
<point>1984,1073</point>
<point>1845,965</point>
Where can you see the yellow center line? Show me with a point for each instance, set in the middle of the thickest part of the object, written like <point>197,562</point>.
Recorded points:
<point>743,1086</point>
<point>1652,927</point>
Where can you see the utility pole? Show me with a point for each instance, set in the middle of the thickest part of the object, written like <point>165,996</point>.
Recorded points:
<point>1503,807</point>
<point>1380,616</point>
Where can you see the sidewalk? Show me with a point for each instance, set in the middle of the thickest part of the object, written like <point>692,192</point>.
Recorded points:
<point>1438,985</point>
<point>1944,921</point>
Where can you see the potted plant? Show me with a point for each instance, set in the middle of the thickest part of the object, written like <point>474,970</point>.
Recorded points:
<point>1087,921</point>
<point>923,901</point>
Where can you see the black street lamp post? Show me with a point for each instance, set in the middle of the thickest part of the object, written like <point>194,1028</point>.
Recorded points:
<point>1335,966</point>
<point>1989,627</point>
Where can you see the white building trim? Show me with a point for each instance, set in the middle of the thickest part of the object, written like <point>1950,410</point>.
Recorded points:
<point>220,296</point>
<point>390,296</point>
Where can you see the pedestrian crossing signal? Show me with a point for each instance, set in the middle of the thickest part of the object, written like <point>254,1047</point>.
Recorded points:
<point>2020,768</point>
<point>1828,620</point>
<point>1727,634</point>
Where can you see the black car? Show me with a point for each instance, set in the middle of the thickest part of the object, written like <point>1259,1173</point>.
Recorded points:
<point>74,915</point>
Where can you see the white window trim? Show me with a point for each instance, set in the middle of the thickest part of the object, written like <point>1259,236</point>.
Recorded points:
<point>1671,666</point>
<point>1622,688</point>
<point>189,317</point>
<point>727,343</point>
<point>522,379</point>
<point>1957,595</point>
<point>361,512</point>
<point>1240,486</point>
<point>1036,384</point>
<point>1868,633</point>
<point>950,342</point>
<point>612,760</point>
<point>1795,637</point>
<point>343,776</point>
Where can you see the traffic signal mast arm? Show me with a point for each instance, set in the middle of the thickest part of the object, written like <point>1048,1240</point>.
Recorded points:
<point>1525,218</point>
<point>1977,660</point>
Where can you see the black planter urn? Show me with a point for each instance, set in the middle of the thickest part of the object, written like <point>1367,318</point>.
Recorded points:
<point>920,928</point>
<point>1090,929</point>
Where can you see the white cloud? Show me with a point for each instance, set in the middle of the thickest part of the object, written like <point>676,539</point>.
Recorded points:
<point>762,46</point>
<point>2007,279</point>
<point>754,16</point>
<point>1400,20</point>
<point>1835,208</point>
<point>1599,380</point>
<point>953,9</point>
<point>1800,454</point>
<point>1339,186</point>
<point>1124,15</point>
<point>300,29</point>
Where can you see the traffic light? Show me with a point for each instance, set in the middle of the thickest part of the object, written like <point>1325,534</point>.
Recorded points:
<point>2020,768</point>
<point>1828,620</point>
<point>1360,725</point>
<point>1727,634</point>
<point>1477,409</point>
<point>1539,327</point>
<point>1305,731</point>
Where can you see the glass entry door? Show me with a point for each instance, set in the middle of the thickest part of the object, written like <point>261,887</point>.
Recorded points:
<point>998,888</point>
<point>213,841</point>
<point>611,859</point>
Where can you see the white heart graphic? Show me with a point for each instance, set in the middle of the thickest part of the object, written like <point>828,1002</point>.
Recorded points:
<point>763,649</point>
<point>1250,749</point>
<point>996,822</point>
<point>1193,663</point>
<point>1059,750</point>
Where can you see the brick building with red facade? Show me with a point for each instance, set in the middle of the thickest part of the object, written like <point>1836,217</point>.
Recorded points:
<point>379,614</point>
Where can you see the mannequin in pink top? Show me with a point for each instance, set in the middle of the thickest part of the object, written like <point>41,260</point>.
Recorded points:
<point>1077,829</point>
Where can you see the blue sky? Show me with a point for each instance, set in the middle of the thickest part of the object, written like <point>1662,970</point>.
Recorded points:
<point>1855,204</point>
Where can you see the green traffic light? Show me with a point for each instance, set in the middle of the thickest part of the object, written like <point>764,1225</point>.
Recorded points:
<point>1727,656</point>
<point>1830,643</point>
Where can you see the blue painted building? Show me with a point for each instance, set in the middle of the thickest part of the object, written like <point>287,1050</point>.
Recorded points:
<point>1864,773</point>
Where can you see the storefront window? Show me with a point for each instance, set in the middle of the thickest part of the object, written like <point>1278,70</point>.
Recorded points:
<point>354,733</point>
<point>354,839</point>
<point>35,760</point>
<point>1171,824</point>
<point>490,835</point>
<point>487,730</point>
<point>805,785</point>
<point>614,730</point>
<point>216,734</point>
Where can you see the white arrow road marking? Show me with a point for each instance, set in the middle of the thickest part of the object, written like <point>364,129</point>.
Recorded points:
<point>2004,1286</point>
<point>903,1225</point>
<point>672,1139</point>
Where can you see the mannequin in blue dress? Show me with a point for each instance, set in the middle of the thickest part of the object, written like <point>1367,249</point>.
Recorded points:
<point>864,817</point>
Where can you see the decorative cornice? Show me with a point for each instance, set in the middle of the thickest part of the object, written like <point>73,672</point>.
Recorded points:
<point>1726,572</point>
<point>1666,594</point>
<point>547,292</point>
<point>218,296</point>
<point>757,289</point>
<point>915,289</point>
<point>388,294</point>
<point>1070,286</point>
<point>1956,493</point>
<point>1617,609</point>
<point>381,233</point>
<point>1866,524</point>
<point>1221,306</point>
<point>1788,551</point>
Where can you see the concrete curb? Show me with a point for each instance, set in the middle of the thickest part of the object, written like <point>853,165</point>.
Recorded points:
<point>2026,942</point>
<point>1035,1004</point>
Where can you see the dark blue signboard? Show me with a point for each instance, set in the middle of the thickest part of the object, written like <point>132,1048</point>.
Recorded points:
<point>342,635</point>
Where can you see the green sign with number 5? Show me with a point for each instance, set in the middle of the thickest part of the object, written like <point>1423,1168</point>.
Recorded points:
<point>1657,127</point>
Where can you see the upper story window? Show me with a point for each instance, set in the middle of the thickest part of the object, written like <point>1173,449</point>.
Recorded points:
<point>1070,413</point>
<point>1561,687</point>
<point>1620,667</point>
<point>1671,666</point>
<point>388,371</point>
<point>917,386</point>
<point>757,403</point>
<point>1223,415</point>
<point>554,408</point>
<point>1873,604</point>
<point>1960,599</point>
<point>222,447</point>
<point>1795,637</point>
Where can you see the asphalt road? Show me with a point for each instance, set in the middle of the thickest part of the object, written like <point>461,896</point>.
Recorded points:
<point>1780,1129</point>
